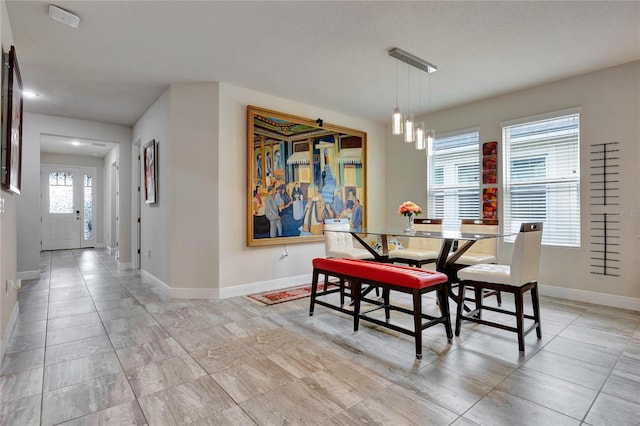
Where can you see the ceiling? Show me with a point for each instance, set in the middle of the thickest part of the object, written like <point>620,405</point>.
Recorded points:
<point>329,54</point>
<point>75,146</point>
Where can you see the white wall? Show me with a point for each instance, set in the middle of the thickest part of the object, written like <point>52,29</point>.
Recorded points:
<point>78,160</point>
<point>154,218</point>
<point>201,130</point>
<point>110,202</point>
<point>241,265</point>
<point>609,100</point>
<point>28,204</point>
<point>8,236</point>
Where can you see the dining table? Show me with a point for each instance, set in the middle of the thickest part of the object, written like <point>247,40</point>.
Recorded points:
<point>460,242</point>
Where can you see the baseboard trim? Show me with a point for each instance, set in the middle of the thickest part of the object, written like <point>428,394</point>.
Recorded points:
<point>157,282</point>
<point>123,266</point>
<point>8,332</point>
<point>261,286</point>
<point>227,292</point>
<point>622,302</point>
<point>28,275</point>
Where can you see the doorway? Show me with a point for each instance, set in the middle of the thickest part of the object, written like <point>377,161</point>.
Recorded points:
<point>68,207</point>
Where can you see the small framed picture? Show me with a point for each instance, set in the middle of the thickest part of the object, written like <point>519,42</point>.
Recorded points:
<point>150,172</point>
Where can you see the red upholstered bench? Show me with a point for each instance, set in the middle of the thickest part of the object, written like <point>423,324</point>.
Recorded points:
<point>389,277</point>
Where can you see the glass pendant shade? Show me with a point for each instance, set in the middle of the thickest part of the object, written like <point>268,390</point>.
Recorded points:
<point>421,140</point>
<point>409,131</point>
<point>431,138</point>
<point>396,122</point>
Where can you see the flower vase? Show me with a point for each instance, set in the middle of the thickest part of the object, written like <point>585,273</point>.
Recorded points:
<point>410,226</point>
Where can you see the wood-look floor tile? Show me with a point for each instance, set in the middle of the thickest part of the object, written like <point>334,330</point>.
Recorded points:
<point>149,352</point>
<point>163,374</point>
<point>560,395</point>
<point>225,355</point>
<point>21,412</point>
<point>501,409</point>
<point>204,339</point>
<point>624,381</point>
<point>57,310</point>
<point>583,373</point>
<point>124,414</point>
<point>112,314</point>
<point>22,361</point>
<point>65,294</point>
<point>138,336</point>
<point>451,388</point>
<point>66,335</point>
<point>282,406</point>
<point>26,342</point>
<point>463,421</point>
<point>245,381</point>
<point>84,398</point>
<point>79,370</point>
<point>31,327</point>
<point>122,325</point>
<point>583,351</point>
<point>186,403</point>
<point>114,304</point>
<point>395,406</point>
<point>233,416</point>
<point>73,321</point>
<point>77,349</point>
<point>20,385</point>
<point>595,337</point>
<point>609,410</point>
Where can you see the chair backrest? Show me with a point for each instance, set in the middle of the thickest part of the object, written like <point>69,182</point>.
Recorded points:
<point>482,226</point>
<point>337,240</point>
<point>525,258</point>
<point>426,225</point>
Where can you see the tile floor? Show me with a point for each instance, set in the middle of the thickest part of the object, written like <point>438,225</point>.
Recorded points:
<point>93,345</point>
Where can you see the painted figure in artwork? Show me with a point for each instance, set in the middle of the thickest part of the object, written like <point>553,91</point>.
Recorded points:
<point>298,202</point>
<point>272,213</point>
<point>313,214</point>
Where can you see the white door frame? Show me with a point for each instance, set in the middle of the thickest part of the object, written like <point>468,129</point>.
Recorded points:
<point>71,233</point>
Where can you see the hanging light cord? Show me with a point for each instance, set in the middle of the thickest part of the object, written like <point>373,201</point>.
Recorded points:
<point>396,83</point>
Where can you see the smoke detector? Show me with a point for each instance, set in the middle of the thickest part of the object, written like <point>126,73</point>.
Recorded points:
<point>59,14</point>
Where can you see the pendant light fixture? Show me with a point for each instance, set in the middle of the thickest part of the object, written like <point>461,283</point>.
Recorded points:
<point>412,131</point>
<point>396,118</point>
<point>431,133</point>
<point>421,142</point>
<point>409,131</point>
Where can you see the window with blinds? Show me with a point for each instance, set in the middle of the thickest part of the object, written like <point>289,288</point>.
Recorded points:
<point>541,162</point>
<point>453,181</point>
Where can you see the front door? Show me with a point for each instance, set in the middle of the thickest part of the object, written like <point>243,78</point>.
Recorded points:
<point>67,207</point>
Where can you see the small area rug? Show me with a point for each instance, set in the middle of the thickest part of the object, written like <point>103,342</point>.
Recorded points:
<point>284,295</point>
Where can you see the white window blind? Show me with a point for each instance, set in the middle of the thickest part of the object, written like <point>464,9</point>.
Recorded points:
<point>542,178</point>
<point>453,181</point>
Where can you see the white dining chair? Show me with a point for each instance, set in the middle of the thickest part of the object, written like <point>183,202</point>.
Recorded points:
<point>420,251</point>
<point>517,278</point>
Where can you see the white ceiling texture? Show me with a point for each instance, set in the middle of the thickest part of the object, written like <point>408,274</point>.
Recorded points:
<point>332,54</point>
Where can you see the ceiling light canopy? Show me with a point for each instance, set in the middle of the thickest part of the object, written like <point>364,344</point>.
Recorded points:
<point>61,15</point>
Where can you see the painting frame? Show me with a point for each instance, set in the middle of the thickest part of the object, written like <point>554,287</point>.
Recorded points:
<point>150,161</point>
<point>12,113</point>
<point>302,181</point>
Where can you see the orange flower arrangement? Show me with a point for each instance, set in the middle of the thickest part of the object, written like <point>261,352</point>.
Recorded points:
<point>408,208</point>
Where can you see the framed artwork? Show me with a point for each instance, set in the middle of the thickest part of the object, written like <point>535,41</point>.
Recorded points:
<point>490,163</point>
<point>490,203</point>
<point>298,173</point>
<point>150,156</point>
<point>11,123</point>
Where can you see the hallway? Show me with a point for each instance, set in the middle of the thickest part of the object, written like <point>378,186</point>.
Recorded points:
<point>94,345</point>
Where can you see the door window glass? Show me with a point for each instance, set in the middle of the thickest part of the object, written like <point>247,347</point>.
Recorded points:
<point>60,192</point>
<point>88,207</point>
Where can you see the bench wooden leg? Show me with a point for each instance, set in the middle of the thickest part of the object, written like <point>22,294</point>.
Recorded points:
<point>356,290</point>
<point>387,311</point>
<point>417,321</point>
<point>314,291</point>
